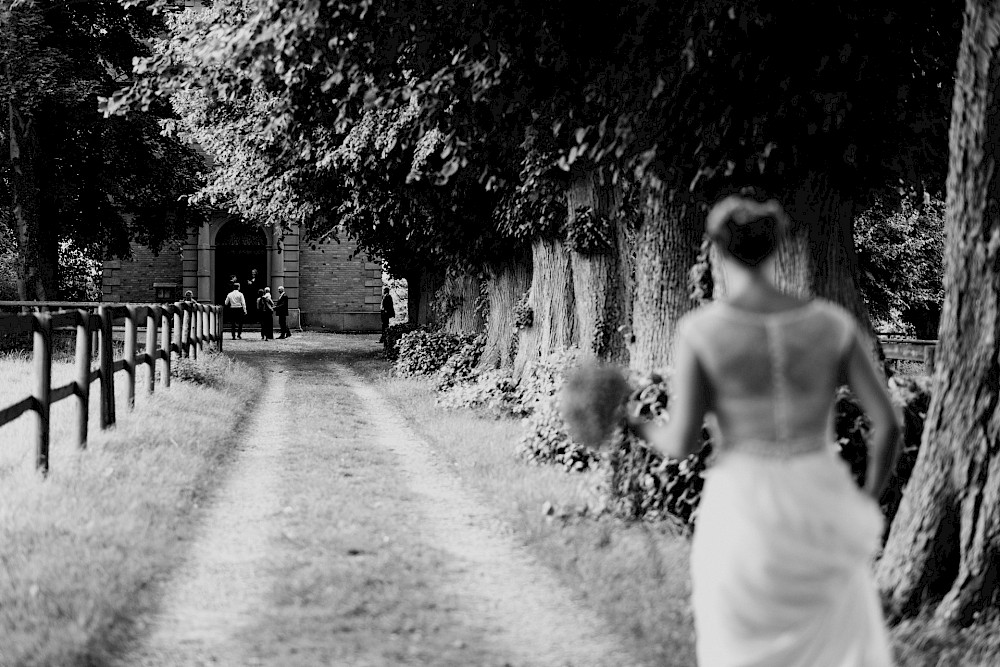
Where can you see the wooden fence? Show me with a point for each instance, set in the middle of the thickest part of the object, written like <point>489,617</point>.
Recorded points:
<point>181,329</point>
<point>908,349</point>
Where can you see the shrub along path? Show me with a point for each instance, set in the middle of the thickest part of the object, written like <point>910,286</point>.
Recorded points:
<point>340,539</point>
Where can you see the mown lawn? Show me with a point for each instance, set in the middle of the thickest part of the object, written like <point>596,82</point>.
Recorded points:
<point>82,550</point>
<point>636,580</point>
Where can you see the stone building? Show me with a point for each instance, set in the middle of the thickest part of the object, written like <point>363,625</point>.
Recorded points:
<point>327,288</point>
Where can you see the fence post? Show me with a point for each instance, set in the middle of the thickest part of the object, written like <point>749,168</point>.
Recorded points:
<point>168,320</point>
<point>82,377</point>
<point>178,310</point>
<point>189,331</point>
<point>211,324</point>
<point>195,329</point>
<point>129,355</point>
<point>219,331</point>
<point>42,358</point>
<point>151,322</point>
<point>930,352</point>
<point>202,326</point>
<point>107,369</point>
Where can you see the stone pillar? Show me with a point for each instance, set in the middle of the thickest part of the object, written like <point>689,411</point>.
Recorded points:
<point>289,274</point>
<point>189,263</point>
<point>204,292</point>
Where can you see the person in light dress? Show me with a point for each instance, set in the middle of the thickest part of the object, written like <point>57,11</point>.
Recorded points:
<point>782,550</point>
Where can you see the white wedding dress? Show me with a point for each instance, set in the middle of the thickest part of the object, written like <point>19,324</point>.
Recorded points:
<point>782,551</point>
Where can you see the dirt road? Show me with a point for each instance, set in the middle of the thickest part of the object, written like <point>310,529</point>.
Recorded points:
<point>338,538</point>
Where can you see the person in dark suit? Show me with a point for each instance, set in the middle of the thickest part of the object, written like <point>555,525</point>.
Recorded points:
<point>252,286</point>
<point>388,311</point>
<point>281,309</point>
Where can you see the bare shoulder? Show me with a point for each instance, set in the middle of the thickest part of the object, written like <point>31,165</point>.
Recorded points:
<point>835,311</point>
<point>698,317</point>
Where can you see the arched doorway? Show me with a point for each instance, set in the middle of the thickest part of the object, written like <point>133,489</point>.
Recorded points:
<point>240,248</point>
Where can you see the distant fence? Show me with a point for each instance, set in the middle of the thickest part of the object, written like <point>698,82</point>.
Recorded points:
<point>909,349</point>
<point>180,329</point>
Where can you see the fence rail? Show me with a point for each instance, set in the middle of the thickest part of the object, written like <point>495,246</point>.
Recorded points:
<point>179,329</point>
<point>910,349</point>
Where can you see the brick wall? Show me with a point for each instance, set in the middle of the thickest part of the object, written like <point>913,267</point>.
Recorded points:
<point>337,292</point>
<point>136,280</point>
<point>334,291</point>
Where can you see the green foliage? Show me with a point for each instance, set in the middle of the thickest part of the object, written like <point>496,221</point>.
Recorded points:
<point>424,352</point>
<point>700,276</point>
<point>547,441</point>
<point>643,485</point>
<point>461,366</point>
<point>392,337</point>
<point>900,252</point>
<point>524,315</point>
<point>443,304</point>
<point>589,233</point>
<point>80,274</point>
<point>913,395</point>
<point>8,266</point>
<point>546,438</point>
<point>534,204</point>
<point>482,306</point>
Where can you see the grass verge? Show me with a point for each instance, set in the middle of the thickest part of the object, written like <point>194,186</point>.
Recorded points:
<point>81,550</point>
<point>635,578</point>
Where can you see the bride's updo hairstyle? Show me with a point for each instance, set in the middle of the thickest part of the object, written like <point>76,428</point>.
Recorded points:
<point>745,229</point>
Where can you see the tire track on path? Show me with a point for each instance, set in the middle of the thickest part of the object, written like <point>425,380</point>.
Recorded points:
<point>512,598</point>
<point>218,591</point>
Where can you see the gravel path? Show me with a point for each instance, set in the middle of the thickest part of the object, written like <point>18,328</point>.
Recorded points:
<point>494,597</point>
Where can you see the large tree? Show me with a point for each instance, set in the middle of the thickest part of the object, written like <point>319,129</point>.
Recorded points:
<point>944,546</point>
<point>66,173</point>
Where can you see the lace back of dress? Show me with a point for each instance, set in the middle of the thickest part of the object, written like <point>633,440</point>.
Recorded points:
<point>773,376</point>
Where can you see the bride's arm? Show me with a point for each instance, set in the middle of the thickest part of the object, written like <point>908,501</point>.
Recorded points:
<point>884,437</point>
<point>681,435</point>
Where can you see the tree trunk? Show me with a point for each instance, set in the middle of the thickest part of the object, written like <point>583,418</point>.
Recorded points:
<point>667,245</point>
<point>506,283</point>
<point>828,218</point>
<point>455,303</point>
<point>945,541</point>
<point>33,263</point>
<point>599,287</point>
<point>551,302</point>
<point>430,282</point>
<point>626,236</point>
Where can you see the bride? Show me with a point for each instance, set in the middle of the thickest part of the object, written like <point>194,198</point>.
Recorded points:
<point>780,559</point>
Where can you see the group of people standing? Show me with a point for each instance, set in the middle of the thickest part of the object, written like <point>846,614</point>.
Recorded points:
<point>264,307</point>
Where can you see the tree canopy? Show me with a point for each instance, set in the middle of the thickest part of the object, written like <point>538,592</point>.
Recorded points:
<point>67,173</point>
